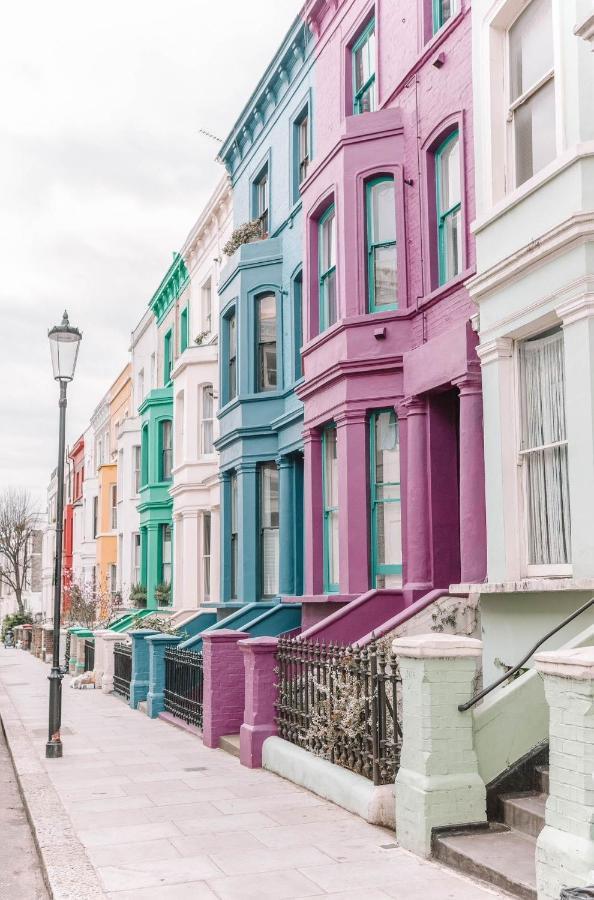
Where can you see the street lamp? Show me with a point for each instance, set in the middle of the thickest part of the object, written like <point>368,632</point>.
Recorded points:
<point>64,343</point>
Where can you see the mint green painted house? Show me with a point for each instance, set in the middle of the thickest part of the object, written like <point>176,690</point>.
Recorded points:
<point>156,411</point>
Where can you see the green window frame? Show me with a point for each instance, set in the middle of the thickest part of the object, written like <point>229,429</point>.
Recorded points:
<point>144,456</point>
<point>327,268</point>
<point>384,496</point>
<point>166,449</point>
<point>183,330</point>
<point>382,261</point>
<point>167,357</point>
<point>448,184</point>
<point>330,508</point>
<point>443,11</point>
<point>363,65</point>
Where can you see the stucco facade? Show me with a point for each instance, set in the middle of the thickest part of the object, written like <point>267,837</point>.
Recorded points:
<point>391,377</point>
<point>260,442</point>
<point>195,378</point>
<point>533,288</point>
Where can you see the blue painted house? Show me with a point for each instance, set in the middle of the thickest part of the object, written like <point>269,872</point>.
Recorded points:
<point>267,156</point>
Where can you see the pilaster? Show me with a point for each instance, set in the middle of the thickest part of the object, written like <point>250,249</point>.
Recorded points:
<point>353,502</point>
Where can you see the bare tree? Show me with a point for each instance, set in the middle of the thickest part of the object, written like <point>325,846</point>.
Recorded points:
<point>19,520</point>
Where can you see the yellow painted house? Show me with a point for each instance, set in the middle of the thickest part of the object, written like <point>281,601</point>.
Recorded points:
<point>119,401</point>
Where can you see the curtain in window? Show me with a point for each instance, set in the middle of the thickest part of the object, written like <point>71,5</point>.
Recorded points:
<point>545,451</point>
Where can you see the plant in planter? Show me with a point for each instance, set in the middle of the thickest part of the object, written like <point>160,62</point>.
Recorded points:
<point>138,596</point>
<point>163,594</point>
<point>157,623</point>
<point>245,234</point>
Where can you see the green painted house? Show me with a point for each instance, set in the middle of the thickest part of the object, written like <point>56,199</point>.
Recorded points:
<point>157,460</point>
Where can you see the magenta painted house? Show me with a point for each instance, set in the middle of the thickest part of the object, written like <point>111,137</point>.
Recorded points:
<point>394,493</point>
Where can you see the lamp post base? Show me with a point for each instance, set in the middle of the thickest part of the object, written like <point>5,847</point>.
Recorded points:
<point>53,750</point>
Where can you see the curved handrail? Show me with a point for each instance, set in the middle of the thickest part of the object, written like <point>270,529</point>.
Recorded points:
<point>465,706</point>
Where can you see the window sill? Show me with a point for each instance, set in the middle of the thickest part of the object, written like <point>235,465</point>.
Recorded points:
<point>445,290</point>
<point>530,585</point>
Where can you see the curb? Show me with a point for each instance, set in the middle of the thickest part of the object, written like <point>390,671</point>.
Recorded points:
<point>66,868</point>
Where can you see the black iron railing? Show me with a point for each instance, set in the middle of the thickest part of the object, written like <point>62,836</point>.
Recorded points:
<point>515,669</point>
<point>184,686</point>
<point>89,655</point>
<point>122,669</point>
<point>341,703</point>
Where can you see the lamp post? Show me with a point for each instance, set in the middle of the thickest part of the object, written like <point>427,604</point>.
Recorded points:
<point>64,343</point>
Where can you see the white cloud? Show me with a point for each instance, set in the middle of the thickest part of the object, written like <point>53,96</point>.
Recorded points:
<point>102,173</point>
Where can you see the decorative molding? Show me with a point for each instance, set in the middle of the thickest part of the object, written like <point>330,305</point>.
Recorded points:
<point>171,287</point>
<point>495,350</point>
<point>576,310</point>
<point>586,30</point>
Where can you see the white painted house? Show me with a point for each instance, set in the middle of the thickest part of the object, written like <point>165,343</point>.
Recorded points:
<point>534,289</point>
<point>195,377</point>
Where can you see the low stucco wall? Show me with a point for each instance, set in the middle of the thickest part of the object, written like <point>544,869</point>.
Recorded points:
<point>353,792</point>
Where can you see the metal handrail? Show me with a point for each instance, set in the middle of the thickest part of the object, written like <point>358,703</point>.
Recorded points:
<point>465,706</point>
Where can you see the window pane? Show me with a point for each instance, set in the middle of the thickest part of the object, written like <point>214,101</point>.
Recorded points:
<point>453,246</point>
<point>530,47</point>
<point>449,175</point>
<point>269,523</point>
<point>328,242</point>
<point>266,312</point>
<point>206,537</point>
<point>330,468</point>
<point>234,537</point>
<point>330,298</point>
<point>534,127</point>
<point>303,148</point>
<point>543,422</point>
<point>383,212</point>
<point>269,510</point>
<point>384,268</point>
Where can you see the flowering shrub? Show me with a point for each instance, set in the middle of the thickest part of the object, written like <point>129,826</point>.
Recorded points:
<point>156,622</point>
<point>245,234</point>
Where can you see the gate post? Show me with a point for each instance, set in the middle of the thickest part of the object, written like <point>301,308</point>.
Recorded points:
<point>261,694</point>
<point>139,682</point>
<point>157,644</point>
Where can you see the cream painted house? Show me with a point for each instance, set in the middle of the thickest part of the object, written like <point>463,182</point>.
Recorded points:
<point>534,290</point>
<point>195,378</point>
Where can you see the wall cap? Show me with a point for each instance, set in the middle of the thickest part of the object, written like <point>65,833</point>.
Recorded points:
<point>576,663</point>
<point>437,646</point>
<point>259,644</point>
<point>224,635</point>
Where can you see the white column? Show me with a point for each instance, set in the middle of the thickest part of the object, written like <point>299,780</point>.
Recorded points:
<point>501,471</point>
<point>109,639</point>
<point>438,782</point>
<point>565,846</point>
<point>191,558</point>
<point>578,333</point>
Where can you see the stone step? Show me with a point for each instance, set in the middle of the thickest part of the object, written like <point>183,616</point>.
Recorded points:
<point>230,744</point>
<point>503,857</point>
<point>542,778</point>
<point>524,812</point>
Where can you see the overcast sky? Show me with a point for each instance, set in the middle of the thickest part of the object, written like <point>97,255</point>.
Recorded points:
<point>103,171</point>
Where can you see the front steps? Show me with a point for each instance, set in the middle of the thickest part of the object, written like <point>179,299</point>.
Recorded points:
<point>230,744</point>
<point>501,853</point>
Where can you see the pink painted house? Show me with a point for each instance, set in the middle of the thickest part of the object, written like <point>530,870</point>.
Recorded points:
<point>394,492</point>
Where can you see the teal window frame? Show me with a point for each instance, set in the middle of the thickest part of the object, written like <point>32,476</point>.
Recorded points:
<point>183,329</point>
<point>263,214</point>
<point>264,347</point>
<point>330,587</point>
<point>325,274</point>
<point>443,215</point>
<point>373,245</point>
<point>301,164</point>
<point>359,93</point>
<point>263,529</point>
<point>167,357</point>
<point>375,503</point>
<point>233,536</point>
<point>297,324</point>
<point>161,561</point>
<point>227,383</point>
<point>439,20</point>
<point>163,449</point>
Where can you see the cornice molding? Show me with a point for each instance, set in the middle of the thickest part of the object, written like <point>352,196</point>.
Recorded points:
<point>577,310</point>
<point>495,350</point>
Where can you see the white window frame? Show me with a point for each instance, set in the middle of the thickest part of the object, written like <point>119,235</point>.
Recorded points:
<point>136,469</point>
<point>494,100</point>
<point>206,290</point>
<point>136,568</point>
<point>204,420</point>
<point>528,570</point>
<point>113,506</point>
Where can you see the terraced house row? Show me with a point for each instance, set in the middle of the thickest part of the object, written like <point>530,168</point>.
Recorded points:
<point>358,409</point>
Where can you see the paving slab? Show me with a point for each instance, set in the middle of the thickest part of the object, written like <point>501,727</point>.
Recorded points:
<point>146,812</point>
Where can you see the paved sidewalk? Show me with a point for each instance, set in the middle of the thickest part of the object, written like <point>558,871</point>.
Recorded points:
<point>152,814</point>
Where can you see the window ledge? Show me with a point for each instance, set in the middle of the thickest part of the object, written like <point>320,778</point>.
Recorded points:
<point>533,585</point>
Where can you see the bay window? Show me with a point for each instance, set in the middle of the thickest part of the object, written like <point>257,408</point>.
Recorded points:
<point>266,374</point>
<point>166,556</point>
<point>167,357</point>
<point>330,508</point>
<point>113,495</point>
<point>531,111</point>
<point>136,468</point>
<point>544,451</point>
<point>231,356</point>
<point>206,552</point>
<point>269,528</point>
<point>136,558</point>
<point>363,65</point>
<point>261,200</point>
<point>449,208</point>
<point>327,268</point>
<point>386,530</point>
<point>382,284</point>
<point>234,537</point>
